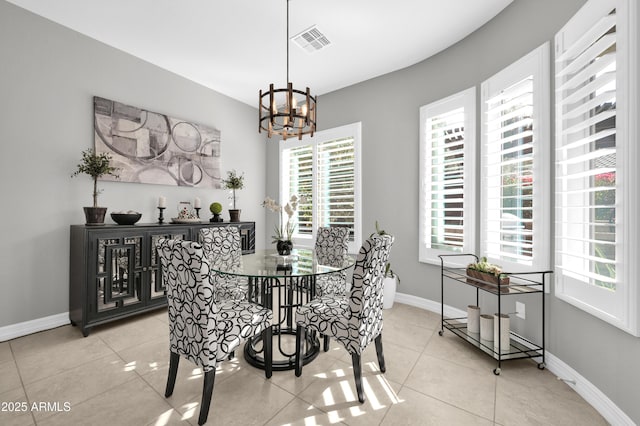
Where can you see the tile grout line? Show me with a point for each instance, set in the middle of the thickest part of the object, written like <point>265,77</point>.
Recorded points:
<point>24,389</point>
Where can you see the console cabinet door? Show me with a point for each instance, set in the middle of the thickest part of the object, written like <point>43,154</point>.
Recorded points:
<point>119,274</point>
<point>157,291</point>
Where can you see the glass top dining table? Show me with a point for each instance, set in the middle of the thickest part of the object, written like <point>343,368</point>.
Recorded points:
<point>300,263</point>
<point>282,283</point>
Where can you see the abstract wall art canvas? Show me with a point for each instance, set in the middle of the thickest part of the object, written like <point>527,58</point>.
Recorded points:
<point>149,147</point>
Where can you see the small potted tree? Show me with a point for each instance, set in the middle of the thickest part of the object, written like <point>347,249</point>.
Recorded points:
<point>391,279</point>
<point>95,165</point>
<point>234,181</point>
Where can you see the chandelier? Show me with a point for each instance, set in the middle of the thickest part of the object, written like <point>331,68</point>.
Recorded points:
<point>287,111</point>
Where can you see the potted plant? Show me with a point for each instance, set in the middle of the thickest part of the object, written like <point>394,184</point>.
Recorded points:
<point>482,273</point>
<point>96,166</point>
<point>216,209</point>
<point>391,279</point>
<point>284,231</point>
<point>234,182</point>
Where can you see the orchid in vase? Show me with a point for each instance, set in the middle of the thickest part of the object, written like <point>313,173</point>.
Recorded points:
<point>284,230</point>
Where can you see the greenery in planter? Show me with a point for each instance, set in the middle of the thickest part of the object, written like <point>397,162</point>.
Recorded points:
<point>96,165</point>
<point>388,272</point>
<point>486,267</point>
<point>233,182</point>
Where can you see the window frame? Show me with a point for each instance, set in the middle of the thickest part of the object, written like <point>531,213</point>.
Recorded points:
<point>353,130</point>
<point>620,308</point>
<point>465,99</point>
<point>536,64</point>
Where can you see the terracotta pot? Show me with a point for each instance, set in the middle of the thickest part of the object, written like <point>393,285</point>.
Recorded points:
<point>94,215</point>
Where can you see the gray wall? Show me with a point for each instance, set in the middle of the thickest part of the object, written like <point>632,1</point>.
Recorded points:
<point>48,76</point>
<point>388,108</point>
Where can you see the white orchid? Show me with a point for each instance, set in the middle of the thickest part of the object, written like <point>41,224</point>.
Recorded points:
<point>284,232</point>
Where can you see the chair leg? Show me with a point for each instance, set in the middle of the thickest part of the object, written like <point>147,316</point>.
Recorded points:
<point>174,360</point>
<point>327,343</point>
<point>299,345</point>
<point>267,346</point>
<point>357,373</point>
<point>207,392</point>
<point>380,353</point>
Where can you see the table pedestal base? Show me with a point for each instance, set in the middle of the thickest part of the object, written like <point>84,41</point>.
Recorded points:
<point>256,358</point>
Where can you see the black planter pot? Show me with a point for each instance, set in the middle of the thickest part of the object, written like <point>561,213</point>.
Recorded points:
<point>94,215</point>
<point>234,215</point>
<point>284,247</point>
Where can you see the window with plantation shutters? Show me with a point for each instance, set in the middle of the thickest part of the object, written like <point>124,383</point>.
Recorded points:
<point>336,183</point>
<point>300,182</point>
<point>595,226</point>
<point>515,164</point>
<point>325,169</point>
<point>447,159</point>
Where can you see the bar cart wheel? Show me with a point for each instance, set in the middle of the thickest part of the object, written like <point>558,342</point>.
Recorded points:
<point>496,371</point>
<point>541,366</point>
<point>441,332</point>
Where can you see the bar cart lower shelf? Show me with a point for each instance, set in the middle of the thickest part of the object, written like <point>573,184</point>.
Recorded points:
<point>522,283</point>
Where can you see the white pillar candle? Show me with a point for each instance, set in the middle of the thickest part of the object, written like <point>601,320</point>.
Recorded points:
<point>503,321</point>
<point>196,203</point>
<point>473,319</point>
<point>486,327</point>
<point>162,201</point>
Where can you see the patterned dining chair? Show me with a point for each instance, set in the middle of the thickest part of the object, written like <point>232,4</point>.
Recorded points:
<point>330,247</point>
<point>354,319</point>
<point>201,330</point>
<point>222,247</point>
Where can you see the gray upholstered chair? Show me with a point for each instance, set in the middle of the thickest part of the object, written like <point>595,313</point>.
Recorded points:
<point>354,319</point>
<point>222,247</point>
<point>201,330</point>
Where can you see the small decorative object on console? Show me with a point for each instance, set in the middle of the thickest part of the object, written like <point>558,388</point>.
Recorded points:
<point>233,182</point>
<point>216,209</point>
<point>96,166</point>
<point>126,218</point>
<point>185,214</point>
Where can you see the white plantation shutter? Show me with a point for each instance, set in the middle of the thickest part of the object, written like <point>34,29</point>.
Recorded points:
<point>509,174</point>
<point>592,145</point>
<point>515,158</point>
<point>447,173</point>
<point>326,169</point>
<point>336,183</point>
<point>300,172</point>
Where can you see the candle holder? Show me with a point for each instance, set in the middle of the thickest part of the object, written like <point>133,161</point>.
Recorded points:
<point>197,209</point>
<point>161,217</point>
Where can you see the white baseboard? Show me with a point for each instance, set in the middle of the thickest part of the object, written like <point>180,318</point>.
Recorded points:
<point>583,387</point>
<point>20,329</point>
<point>598,400</point>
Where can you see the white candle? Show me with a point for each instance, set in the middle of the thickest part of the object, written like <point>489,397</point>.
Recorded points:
<point>196,203</point>
<point>162,201</point>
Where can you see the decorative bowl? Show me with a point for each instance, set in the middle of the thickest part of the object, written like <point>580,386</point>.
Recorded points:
<point>126,218</point>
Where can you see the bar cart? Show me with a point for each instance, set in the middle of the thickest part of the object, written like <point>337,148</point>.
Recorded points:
<point>520,283</point>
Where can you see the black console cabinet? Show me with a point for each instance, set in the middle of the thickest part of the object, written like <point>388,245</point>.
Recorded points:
<point>114,269</point>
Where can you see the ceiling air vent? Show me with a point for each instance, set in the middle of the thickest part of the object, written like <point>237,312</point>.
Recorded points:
<point>311,40</point>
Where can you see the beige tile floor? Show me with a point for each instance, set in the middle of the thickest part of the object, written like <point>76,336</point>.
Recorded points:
<point>116,376</point>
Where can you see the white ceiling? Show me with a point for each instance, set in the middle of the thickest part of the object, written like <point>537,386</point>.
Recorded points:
<point>237,47</point>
